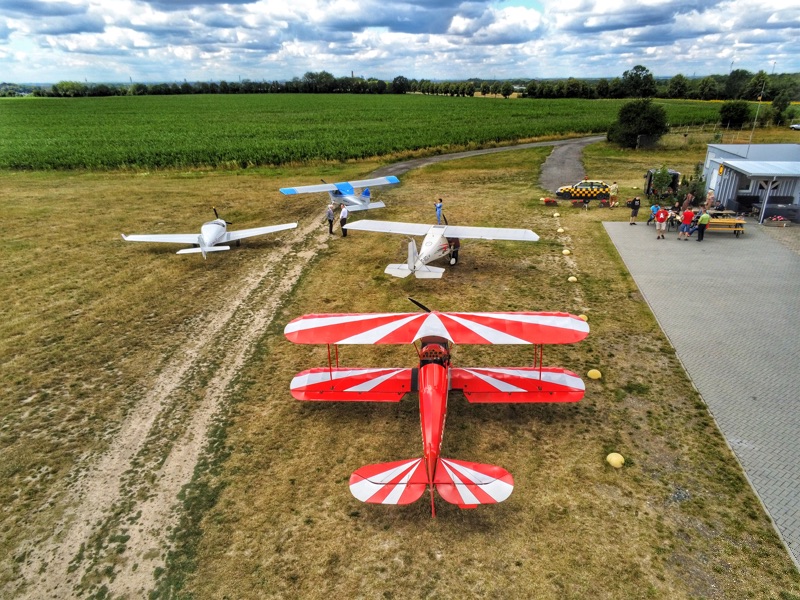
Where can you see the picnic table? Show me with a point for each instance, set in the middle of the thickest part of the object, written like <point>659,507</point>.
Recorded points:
<point>722,224</point>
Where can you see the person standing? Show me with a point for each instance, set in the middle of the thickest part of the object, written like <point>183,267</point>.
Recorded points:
<point>343,213</point>
<point>702,223</point>
<point>661,222</point>
<point>438,206</point>
<point>635,204</point>
<point>686,224</point>
<point>710,199</point>
<point>329,217</point>
<point>612,195</point>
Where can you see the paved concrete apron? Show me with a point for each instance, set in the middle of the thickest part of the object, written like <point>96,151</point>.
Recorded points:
<point>731,308</point>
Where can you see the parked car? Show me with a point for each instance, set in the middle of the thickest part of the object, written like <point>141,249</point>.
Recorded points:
<point>584,189</point>
<point>795,126</point>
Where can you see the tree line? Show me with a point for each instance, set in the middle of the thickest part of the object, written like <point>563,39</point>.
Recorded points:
<point>637,82</point>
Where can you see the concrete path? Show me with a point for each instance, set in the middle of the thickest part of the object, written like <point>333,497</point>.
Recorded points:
<point>731,309</point>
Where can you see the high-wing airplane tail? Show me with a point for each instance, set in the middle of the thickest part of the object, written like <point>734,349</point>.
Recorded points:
<point>358,207</point>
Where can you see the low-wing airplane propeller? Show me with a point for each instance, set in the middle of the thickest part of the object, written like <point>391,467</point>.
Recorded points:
<point>211,233</point>
<point>344,192</point>
<point>438,242</point>
<point>466,484</point>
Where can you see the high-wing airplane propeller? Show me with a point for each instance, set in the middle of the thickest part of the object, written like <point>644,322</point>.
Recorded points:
<point>466,484</point>
<point>344,192</point>
<point>211,233</point>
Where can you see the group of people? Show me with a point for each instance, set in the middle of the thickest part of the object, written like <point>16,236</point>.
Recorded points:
<point>343,214</point>
<point>689,221</point>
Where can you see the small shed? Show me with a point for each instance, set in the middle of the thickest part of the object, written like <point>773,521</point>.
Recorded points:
<point>744,175</point>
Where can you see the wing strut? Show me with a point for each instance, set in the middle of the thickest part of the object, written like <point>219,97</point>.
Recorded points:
<point>330,363</point>
<point>538,357</point>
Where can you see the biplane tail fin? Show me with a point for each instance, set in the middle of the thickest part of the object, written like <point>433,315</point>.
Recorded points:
<point>399,482</point>
<point>468,484</point>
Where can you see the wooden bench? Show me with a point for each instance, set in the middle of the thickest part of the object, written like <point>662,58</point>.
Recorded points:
<point>734,225</point>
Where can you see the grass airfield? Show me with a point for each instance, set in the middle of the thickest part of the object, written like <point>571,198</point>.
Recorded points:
<point>90,322</point>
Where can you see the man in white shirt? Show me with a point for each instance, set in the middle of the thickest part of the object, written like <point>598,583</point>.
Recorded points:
<point>343,219</point>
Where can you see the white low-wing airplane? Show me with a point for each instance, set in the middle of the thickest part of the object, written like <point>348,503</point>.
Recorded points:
<point>437,243</point>
<point>345,192</point>
<point>211,233</point>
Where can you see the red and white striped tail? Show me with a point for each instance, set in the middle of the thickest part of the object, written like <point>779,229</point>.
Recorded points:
<point>469,484</point>
<point>400,482</point>
<point>465,484</point>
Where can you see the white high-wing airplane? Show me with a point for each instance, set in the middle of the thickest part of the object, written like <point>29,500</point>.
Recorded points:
<point>344,192</point>
<point>437,243</point>
<point>211,233</point>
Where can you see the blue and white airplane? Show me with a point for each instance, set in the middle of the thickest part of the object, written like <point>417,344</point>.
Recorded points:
<point>211,233</point>
<point>345,192</point>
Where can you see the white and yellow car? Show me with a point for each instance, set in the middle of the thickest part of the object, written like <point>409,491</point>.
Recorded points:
<point>585,189</point>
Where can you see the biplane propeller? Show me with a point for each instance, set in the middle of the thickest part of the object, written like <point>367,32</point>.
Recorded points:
<point>466,484</point>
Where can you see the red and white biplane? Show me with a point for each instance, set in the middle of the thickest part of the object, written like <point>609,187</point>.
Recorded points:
<point>466,484</point>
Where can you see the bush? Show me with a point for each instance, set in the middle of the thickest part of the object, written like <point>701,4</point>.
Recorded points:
<point>734,113</point>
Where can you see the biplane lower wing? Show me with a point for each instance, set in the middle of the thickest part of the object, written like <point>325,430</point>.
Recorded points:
<point>522,384</point>
<point>469,484</point>
<point>352,385</point>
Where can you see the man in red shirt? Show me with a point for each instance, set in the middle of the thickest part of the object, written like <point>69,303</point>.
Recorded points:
<point>661,222</point>
<point>686,224</point>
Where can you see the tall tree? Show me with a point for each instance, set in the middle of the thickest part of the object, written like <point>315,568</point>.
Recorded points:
<point>639,82</point>
<point>678,87</point>
<point>639,117</point>
<point>707,89</point>
<point>736,83</point>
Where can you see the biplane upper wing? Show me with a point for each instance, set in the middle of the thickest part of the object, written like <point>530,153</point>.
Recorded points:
<point>519,384</point>
<point>352,385</point>
<point>459,328</point>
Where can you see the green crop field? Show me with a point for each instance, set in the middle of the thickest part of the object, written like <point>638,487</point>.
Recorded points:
<point>147,132</point>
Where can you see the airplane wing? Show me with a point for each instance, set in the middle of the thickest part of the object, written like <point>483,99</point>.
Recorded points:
<point>169,238</point>
<point>459,328</point>
<point>389,227</point>
<point>345,187</point>
<point>352,385</point>
<point>490,233</point>
<point>524,384</point>
<point>246,233</point>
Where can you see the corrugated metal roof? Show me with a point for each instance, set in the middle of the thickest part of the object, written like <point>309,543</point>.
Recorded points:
<point>764,168</point>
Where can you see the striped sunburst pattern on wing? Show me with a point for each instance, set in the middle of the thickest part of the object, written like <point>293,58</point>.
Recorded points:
<point>459,328</point>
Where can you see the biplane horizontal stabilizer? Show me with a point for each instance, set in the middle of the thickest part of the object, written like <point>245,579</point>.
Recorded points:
<point>469,484</point>
<point>400,482</point>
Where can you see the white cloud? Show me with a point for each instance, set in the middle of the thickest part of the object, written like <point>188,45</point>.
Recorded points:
<point>267,39</point>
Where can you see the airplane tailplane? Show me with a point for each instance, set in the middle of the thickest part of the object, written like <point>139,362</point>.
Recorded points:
<point>468,484</point>
<point>365,194</point>
<point>399,482</point>
<point>398,270</point>
<point>203,250</point>
<point>426,272</point>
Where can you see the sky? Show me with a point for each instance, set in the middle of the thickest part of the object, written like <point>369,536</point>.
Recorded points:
<point>203,40</point>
